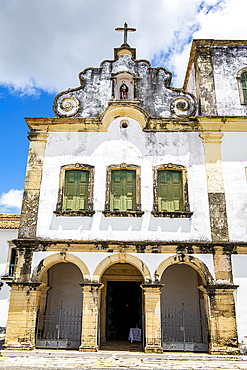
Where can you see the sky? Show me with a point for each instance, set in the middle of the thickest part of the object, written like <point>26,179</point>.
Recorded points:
<point>45,44</point>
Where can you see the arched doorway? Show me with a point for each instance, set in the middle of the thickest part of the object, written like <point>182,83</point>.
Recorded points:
<point>121,305</point>
<point>60,313</point>
<point>183,311</point>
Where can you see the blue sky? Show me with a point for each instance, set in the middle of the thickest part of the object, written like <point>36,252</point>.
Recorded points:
<point>45,44</point>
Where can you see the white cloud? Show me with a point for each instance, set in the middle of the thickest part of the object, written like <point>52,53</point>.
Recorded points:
<point>11,201</point>
<point>46,43</point>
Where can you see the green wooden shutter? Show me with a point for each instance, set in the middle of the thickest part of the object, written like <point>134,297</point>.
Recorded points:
<point>82,196</point>
<point>170,191</point>
<point>244,85</point>
<point>76,190</point>
<point>129,190</point>
<point>123,190</point>
<point>116,193</point>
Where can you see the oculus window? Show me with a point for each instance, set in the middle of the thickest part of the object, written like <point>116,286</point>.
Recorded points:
<point>75,197</point>
<point>123,193</point>
<point>171,191</point>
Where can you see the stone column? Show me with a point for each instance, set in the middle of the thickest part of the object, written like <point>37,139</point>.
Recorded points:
<point>90,315</point>
<point>152,317</point>
<point>23,307</point>
<point>222,328</point>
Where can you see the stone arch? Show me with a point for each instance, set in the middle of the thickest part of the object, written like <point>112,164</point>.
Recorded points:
<point>192,261</point>
<point>44,265</point>
<point>121,258</point>
<point>124,110</point>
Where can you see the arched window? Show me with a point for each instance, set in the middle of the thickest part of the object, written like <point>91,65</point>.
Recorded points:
<point>242,85</point>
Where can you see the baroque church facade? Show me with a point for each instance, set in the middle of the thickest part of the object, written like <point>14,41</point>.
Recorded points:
<point>134,209</point>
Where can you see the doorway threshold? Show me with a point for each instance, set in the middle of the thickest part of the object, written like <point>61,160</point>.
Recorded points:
<point>121,345</point>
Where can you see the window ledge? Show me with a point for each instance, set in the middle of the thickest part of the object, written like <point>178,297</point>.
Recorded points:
<point>123,213</point>
<point>7,278</point>
<point>175,214</point>
<point>74,213</point>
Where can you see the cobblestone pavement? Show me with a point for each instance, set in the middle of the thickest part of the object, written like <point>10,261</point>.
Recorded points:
<point>117,360</point>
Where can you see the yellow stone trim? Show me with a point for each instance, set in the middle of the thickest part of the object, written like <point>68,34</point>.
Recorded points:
<point>116,111</point>
<point>211,141</point>
<point>189,260</point>
<point>124,51</point>
<point>121,258</point>
<point>64,257</point>
<point>223,124</point>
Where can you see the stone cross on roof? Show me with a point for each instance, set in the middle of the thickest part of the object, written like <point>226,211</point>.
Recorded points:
<point>125,29</point>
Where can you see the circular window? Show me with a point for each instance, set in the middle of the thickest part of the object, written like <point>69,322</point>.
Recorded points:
<point>124,124</point>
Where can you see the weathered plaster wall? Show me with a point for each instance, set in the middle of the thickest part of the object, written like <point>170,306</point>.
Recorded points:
<point>5,236</point>
<point>131,146</point>
<point>181,286</point>
<point>239,263</point>
<point>191,86</point>
<point>152,90</point>
<point>234,163</point>
<point>64,280</point>
<point>227,62</point>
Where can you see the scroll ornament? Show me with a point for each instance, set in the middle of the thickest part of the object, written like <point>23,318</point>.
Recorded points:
<point>181,107</point>
<point>68,107</point>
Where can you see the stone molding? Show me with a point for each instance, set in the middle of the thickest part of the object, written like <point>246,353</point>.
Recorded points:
<point>121,258</point>
<point>186,259</point>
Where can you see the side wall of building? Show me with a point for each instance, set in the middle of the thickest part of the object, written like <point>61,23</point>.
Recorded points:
<point>5,236</point>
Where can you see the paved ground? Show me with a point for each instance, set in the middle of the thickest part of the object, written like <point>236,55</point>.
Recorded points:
<point>58,360</point>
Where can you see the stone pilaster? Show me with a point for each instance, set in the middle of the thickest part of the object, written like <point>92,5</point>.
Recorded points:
<point>23,307</point>
<point>90,315</point>
<point>222,328</point>
<point>29,212</point>
<point>205,80</point>
<point>152,317</point>
<point>215,185</point>
<point>222,265</point>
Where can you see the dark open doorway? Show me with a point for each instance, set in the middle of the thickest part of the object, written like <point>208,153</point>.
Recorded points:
<point>123,309</point>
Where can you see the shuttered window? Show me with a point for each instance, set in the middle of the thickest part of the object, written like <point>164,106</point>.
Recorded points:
<point>123,190</point>
<point>76,190</point>
<point>170,191</point>
<point>244,85</point>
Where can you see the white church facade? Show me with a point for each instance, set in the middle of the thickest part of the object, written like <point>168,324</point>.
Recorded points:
<point>134,210</point>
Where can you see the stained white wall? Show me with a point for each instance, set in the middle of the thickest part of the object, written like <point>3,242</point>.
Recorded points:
<point>64,280</point>
<point>181,286</point>
<point>234,163</point>
<point>5,236</point>
<point>151,260</point>
<point>227,62</point>
<point>239,263</point>
<point>132,146</point>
